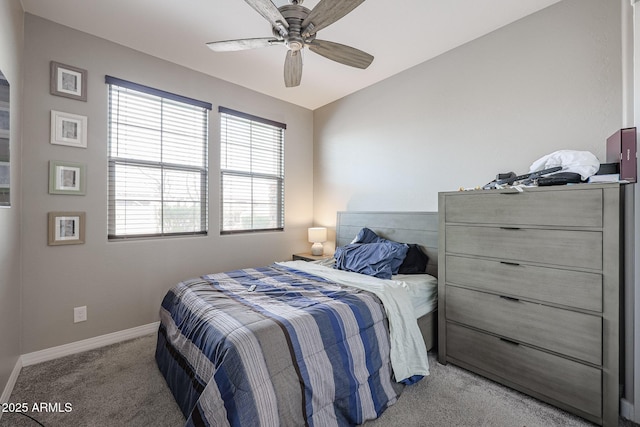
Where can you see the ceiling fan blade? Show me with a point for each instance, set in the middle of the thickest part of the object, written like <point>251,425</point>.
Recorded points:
<point>326,13</point>
<point>340,53</point>
<point>271,13</point>
<point>242,44</point>
<point>293,68</point>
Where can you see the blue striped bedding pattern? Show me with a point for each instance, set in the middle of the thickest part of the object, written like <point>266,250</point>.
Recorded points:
<point>275,346</point>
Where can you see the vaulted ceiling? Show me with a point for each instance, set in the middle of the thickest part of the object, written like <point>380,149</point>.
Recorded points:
<point>399,34</point>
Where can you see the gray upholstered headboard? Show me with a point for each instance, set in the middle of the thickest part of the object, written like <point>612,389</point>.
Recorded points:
<point>406,227</point>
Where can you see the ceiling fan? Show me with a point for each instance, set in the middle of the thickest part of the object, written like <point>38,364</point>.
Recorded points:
<point>295,27</point>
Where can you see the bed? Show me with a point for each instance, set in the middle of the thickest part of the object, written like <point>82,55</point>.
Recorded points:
<point>298,343</point>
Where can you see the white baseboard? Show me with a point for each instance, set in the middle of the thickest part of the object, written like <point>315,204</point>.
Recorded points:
<point>11,382</point>
<point>627,410</point>
<point>88,344</point>
<point>6,394</point>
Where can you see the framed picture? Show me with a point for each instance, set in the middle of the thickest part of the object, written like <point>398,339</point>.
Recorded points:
<point>66,178</point>
<point>66,228</point>
<point>68,81</point>
<point>68,129</point>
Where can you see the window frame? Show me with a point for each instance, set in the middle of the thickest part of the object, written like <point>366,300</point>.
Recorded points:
<point>280,178</point>
<point>162,165</point>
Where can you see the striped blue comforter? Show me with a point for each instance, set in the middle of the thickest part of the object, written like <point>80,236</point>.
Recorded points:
<point>275,346</point>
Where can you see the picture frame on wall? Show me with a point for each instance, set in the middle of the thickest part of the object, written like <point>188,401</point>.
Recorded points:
<point>67,178</point>
<point>66,228</point>
<point>68,81</point>
<point>68,129</point>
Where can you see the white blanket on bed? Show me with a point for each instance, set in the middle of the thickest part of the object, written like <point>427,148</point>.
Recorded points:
<point>408,351</point>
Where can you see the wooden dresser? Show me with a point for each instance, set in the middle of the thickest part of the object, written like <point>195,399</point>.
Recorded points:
<point>530,292</point>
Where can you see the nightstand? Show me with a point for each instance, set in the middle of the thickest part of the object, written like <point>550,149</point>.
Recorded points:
<point>308,257</point>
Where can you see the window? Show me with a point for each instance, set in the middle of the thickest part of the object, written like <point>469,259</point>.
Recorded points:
<point>252,173</point>
<point>157,162</point>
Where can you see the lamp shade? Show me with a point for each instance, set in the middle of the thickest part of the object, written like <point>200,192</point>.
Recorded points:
<point>317,234</point>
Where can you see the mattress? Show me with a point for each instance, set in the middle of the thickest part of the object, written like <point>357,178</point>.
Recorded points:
<point>421,288</point>
<point>423,292</point>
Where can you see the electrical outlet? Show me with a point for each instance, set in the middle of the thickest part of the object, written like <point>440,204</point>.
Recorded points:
<point>80,314</point>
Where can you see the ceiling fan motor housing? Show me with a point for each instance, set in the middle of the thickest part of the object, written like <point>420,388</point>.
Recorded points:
<point>294,14</point>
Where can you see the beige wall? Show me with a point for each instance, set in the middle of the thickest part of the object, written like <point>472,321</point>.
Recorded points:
<point>122,283</point>
<point>11,42</point>
<point>547,82</point>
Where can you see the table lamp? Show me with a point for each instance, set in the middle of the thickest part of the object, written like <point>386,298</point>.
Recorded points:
<point>317,235</point>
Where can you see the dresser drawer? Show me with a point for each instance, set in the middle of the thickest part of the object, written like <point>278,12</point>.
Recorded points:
<point>561,379</point>
<point>577,289</point>
<point>575,208</point>
<point>556,247</point>
<point>562,331</point>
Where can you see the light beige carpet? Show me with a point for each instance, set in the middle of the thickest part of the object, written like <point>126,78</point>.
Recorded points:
<point>120,385</point>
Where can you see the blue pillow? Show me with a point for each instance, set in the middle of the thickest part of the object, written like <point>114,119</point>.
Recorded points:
<point>373,259</point>
<point>368,236</point>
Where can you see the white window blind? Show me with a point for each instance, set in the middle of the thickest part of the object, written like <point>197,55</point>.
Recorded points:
<point>252,173</point>
<point>157,162</point>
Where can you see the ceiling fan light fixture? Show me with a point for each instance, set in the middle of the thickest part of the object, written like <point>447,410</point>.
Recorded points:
<point>294,44</point>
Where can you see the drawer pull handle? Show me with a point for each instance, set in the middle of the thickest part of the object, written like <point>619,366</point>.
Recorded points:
<point>509,298</point>
<point>509,341</point>
<point>510,263</point>
<point>510,228</point>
